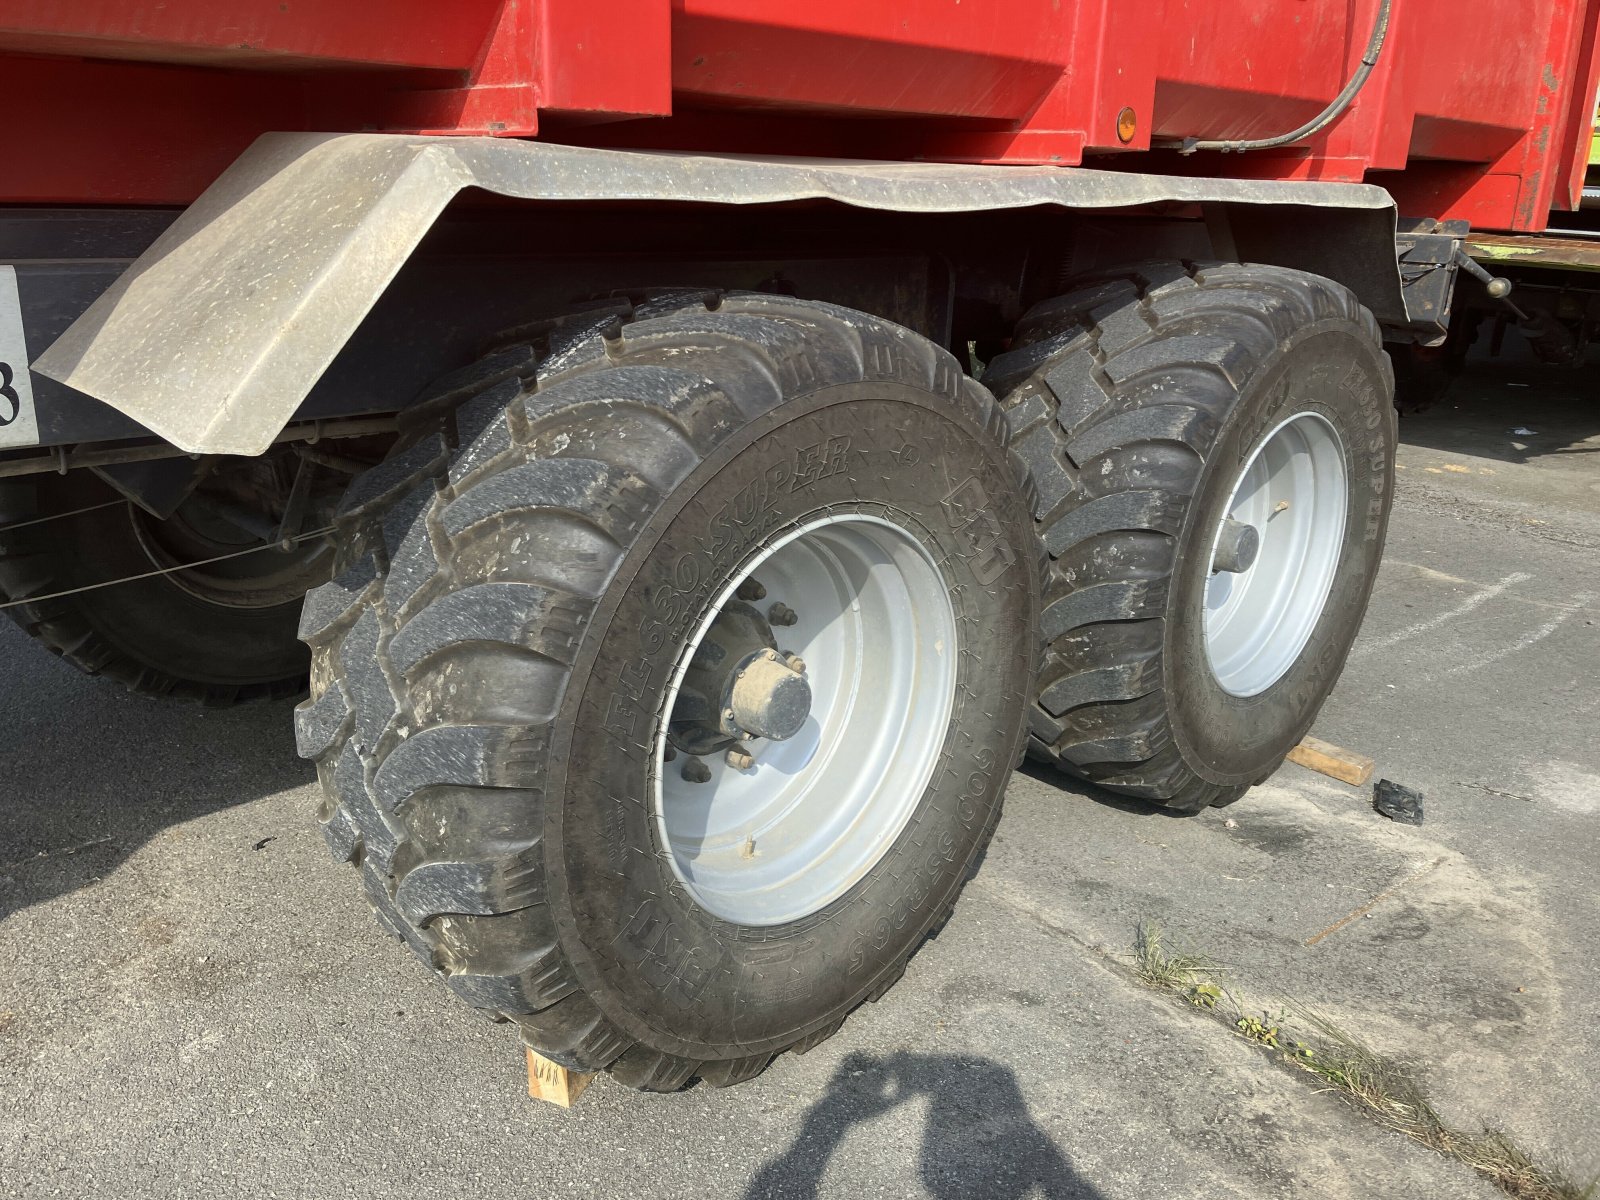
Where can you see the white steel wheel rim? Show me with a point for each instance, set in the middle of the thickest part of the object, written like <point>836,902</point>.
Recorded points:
<point>877,631</point>
<point>1295,492</point>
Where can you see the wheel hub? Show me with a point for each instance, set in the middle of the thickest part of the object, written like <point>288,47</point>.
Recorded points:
<point>738,686</point>
<point>770,698</point>
<point>235,510</point>
<point>1237,547</point>
<point>1275,553</point>
<point>786,773</point>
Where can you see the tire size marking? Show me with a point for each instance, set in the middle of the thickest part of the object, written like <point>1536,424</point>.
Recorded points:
<point>740,523</point>
<point>661,957</point>
<point>19,425</point>
<point>971,515</point>
<point>626,708</point>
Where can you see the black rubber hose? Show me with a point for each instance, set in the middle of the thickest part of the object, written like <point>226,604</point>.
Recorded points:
<point>1380,30</point>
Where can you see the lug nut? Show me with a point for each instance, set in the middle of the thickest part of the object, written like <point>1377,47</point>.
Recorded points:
<point>670,753</point>
<point>696,771</point>
<point>740,759</point>
<point>796,663</point>
<point>781,614</point>
<point>751,589</point>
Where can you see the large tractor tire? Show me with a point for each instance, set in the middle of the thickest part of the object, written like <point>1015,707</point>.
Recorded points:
<point>670,692</point>
<point>221,633</point>
<point>1212,450</point>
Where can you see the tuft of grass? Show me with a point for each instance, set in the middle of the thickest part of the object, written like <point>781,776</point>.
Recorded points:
<point>1388,1091</point>
<point>1167,970</point>
<point>1382,1087</point>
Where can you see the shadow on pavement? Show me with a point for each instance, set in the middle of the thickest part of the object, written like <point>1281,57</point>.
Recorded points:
<point>979,1139</point>
<point>90,772</point>
<point>1493,397</point>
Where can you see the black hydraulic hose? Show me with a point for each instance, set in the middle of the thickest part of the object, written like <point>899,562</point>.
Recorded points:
<point>1380,30</point>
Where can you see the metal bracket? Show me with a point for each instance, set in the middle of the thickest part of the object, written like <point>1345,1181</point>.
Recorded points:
<point>1429,254</point>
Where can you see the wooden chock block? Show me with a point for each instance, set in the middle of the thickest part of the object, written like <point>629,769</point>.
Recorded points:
<point>554,1083</point>
<point>1344,765</point>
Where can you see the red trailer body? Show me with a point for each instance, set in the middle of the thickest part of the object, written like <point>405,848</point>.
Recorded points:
<point>1477,110</point>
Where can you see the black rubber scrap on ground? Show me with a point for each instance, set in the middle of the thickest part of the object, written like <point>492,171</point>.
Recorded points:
<point>1397,802</point>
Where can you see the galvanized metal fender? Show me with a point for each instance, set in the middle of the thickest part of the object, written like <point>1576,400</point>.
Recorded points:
<point>213,337</point>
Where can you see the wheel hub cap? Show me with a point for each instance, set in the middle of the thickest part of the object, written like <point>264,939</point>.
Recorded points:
<point>769,698</point>
<point>1237,547</point>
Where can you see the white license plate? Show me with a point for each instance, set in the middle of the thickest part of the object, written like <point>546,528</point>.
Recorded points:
<point>18,425</point>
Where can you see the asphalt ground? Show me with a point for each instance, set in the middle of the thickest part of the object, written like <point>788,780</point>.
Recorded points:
<point>194,1001</point>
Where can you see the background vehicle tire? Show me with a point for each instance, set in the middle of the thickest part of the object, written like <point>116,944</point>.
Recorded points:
<point>221,634</point>
<point>503,711</point>
<point>1142,403</point>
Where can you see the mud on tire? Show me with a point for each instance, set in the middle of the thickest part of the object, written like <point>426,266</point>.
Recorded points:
<point>488,669</point>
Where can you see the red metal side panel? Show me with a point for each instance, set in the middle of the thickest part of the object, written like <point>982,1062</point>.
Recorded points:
<point>570,57</point>
<point>1577,129</point>
<point>1499,72</point>
<point>1478,108</point>
<point>135,118</point>
<point>128,133</point>
<point>244,33</point>
<point>1496,99</point>
<point>1249,68</point>
<point>605,57</point>
<point>933,57</point>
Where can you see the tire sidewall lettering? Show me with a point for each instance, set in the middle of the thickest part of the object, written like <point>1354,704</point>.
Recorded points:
<point>1326,369</point>
<point>643,942</point>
